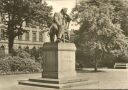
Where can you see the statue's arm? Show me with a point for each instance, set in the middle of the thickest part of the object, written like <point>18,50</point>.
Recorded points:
<point>68,18</point>
<point>56,18</point>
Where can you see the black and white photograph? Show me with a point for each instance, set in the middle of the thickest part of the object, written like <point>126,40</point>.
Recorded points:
<point>63,44</point>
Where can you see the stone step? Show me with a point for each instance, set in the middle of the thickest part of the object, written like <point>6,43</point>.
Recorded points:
<point>45,80</point>
<point>52,85</point>
<point>30,83</point>
<point>57,81</point>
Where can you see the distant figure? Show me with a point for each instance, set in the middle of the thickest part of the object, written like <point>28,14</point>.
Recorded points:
<point>60,25</point>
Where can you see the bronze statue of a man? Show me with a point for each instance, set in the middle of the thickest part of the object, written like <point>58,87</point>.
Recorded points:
<point>60,24</point>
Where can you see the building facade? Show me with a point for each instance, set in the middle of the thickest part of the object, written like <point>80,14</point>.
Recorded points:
<point>33,37</point>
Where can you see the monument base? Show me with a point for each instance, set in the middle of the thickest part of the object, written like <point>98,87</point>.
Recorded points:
<point>58,67</point>
<point>56,83</point>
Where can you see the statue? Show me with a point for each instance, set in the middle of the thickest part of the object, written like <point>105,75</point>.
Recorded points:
<point>59,26</point>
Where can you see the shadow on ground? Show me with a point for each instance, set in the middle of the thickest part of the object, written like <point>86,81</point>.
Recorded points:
<point>90,71</point>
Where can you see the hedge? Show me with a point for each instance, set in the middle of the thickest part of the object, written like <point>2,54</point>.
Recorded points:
<point>21,63</point>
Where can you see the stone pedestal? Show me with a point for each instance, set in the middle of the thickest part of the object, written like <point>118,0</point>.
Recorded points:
<point>59,61</point>
<point>58,67</point>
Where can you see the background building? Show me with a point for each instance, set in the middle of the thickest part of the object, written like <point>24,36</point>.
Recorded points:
<point>33,37</point>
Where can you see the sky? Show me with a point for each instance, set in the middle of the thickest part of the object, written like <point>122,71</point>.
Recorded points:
<point>59,4</point>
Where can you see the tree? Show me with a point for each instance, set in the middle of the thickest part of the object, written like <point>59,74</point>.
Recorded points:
<point>33,12</point>
<point>100,29</point>
<point>121,14</point>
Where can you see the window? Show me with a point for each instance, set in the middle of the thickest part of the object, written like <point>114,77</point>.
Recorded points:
<point>2,51</point>
<point>2,47</point>
<point>2,35</point>
<point>27,36</point>
<point>4,18</point>
<point>20,37</point>
<point>40,36</point>
<point>34,36</point>
<point>20,48</point>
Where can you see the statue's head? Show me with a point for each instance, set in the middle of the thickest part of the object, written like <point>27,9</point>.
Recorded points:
<point>64,10</point>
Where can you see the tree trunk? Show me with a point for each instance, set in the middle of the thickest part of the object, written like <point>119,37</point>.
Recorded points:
<point>10,37</point>
<point>10,44</point>
<point>95,67</point>
<point>97,60</point>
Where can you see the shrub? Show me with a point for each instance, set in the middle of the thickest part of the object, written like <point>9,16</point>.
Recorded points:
<point>4,66</point>
<point>18,64</point>
<point>22,54</point>
<point>29,65</point>
<point>108,60</point>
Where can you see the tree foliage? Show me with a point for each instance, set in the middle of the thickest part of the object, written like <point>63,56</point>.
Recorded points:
<point>33,12</point>
<point>101,28</point>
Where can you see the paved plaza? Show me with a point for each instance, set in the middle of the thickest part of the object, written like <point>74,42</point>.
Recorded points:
<point>105,79</point>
